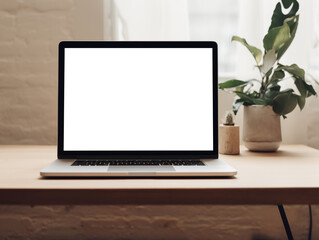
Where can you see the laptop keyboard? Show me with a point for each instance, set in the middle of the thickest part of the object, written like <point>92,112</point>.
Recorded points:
<point>184,162</point>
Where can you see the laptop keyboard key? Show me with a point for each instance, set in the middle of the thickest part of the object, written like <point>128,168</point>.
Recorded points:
<point>156,162</point>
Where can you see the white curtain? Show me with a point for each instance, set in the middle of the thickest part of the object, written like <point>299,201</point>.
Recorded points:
<point>142,20</point>
<point>255,19</point>
<point>168,20</point>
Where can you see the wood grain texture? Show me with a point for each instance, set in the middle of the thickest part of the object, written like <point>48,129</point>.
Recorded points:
<point>229,139</point>
<point>289,176</point>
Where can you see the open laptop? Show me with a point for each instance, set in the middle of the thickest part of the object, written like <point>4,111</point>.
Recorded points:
<point>137,109</point>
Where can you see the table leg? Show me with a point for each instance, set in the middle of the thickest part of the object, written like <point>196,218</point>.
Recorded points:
<point>285,221</point>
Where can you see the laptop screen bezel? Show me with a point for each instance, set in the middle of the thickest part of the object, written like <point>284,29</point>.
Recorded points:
<point>62,154</point>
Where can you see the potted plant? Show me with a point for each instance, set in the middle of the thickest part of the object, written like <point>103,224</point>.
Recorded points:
<point>264,99</point>
<point>229,136</point>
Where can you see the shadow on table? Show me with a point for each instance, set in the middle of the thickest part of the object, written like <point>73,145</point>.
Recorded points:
<point>277,154</point>
<point>261,237</point>
<point>136,177</point>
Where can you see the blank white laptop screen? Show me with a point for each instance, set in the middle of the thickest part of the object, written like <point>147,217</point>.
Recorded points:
<point>139,99</point>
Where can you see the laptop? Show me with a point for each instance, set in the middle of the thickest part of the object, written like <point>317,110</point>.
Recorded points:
<point>135,109</point>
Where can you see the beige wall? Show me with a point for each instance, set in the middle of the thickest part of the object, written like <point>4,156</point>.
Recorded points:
<point>29,35</point>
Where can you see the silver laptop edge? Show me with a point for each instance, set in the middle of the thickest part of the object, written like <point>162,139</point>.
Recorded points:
<point>129,115</point>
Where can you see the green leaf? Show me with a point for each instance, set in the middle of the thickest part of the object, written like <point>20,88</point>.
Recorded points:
<point>299,75</point>
<point>301,102</point>
<point>287,3</point>
<point>253,50</point>
<point>240,88</point>
<point>244,97</point>
<point>284,103</point>
<point>276,77</point>
<point>275,88</point>
<point>293,70</point>
<point>271,93</point>
<point>301,87</point>
<point>288,90</point>
<point>232,83</point>
<point>269,72</point>
<point>278,74</point>
<point>310,89</point>
<point>269,60</point>
<point>293,24</point>
<point>279,17</point>
<point>250,99</point>
<point>237,104</point>
<point>276,37</point>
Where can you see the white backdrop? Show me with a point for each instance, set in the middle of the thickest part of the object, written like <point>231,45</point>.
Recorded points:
<point>169,20</point>
<point>142,20</point>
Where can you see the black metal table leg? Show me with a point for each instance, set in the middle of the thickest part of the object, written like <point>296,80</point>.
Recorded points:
<point>285,221</point>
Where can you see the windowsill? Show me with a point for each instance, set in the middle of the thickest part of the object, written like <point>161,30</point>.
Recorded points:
<point>225,76</point>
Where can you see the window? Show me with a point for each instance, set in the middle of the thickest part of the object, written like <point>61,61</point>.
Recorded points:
<point>216,21</point>
<point>314,45</point>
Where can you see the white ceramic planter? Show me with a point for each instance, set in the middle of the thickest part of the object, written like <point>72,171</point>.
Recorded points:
<point>261,130</point>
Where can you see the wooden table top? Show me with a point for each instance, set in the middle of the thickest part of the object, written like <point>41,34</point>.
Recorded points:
<point>289,176</point>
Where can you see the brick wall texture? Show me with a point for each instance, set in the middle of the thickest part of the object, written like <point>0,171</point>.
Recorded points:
<point>152,222</point>
<point>29,35</point>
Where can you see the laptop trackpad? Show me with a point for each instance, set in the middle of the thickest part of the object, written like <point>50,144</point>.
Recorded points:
<point>141,169</point>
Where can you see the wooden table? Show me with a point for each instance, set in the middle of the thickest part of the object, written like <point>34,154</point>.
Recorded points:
<point>289,176</point>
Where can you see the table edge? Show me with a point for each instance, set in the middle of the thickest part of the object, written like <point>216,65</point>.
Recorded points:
<point>225,196</point>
